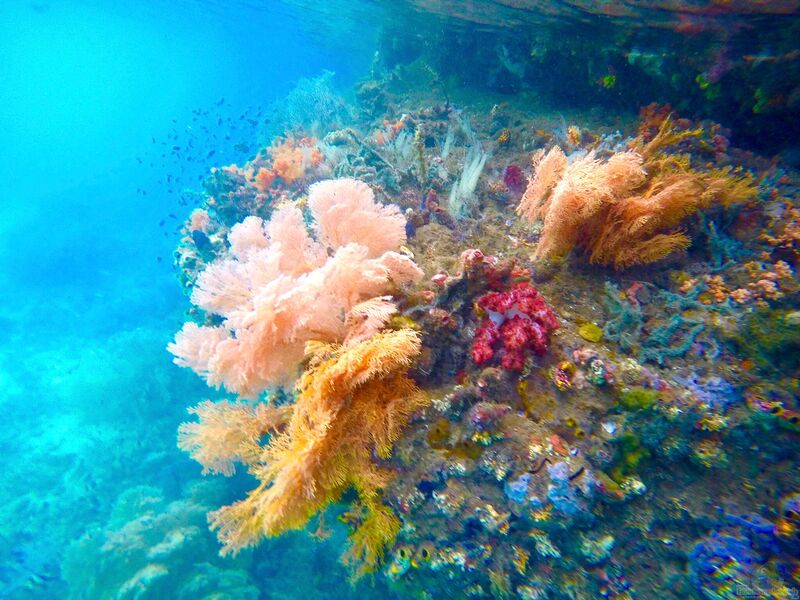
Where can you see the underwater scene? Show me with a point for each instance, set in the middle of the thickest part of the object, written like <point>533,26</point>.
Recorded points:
<point>389,299</point>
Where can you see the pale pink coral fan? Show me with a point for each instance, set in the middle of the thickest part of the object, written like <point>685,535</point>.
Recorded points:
<point>345,211</point>
<point>280,288</point>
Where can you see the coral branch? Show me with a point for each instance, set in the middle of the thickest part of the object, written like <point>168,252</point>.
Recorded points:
<point>353,403</point>
<point>229,432</point>
<point>624,210</point>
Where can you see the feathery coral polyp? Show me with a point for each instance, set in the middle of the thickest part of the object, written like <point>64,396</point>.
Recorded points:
<point>353,402</point>
<point>624,210</point>
<point>229,432</point>
<point>279,288</point>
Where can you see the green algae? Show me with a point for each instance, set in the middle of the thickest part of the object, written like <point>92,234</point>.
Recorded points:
<point>638,398</point>
<point>770,340</point>
<point>630,454</point>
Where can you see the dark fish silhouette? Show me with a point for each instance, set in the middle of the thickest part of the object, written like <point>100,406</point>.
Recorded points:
<point>201,240</point>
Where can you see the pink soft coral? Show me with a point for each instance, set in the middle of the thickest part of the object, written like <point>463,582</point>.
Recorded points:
<point>280,288</point>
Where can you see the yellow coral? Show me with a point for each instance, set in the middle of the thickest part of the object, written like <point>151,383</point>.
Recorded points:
<point>376,531</point>
<point>353,401</point>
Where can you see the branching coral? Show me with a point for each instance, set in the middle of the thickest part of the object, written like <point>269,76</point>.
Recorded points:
<point>279,288</point>
<point>287,160</point>
<point>625,210</point>
<point>229,432</point>
<point>353,402</point>
<point>292,158</point>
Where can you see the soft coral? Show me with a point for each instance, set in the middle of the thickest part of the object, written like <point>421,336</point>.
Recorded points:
<point>518,320</point>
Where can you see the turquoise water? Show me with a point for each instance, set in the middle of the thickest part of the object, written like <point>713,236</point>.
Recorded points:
<point>112,115</point>
<point>94,94</point>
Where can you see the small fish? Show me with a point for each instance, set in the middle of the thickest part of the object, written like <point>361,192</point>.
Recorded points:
<point>576,474</point>
<point>38,580</point>
<point>161,223</point>
<point>171,216</point>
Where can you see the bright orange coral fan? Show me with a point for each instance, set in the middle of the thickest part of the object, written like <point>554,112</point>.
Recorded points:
<point>353,402</point>
<point>279,288</point>
<point>625,210</point>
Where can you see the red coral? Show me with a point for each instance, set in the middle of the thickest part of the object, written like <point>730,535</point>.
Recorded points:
<point>486,335</point>
<point>519,321</point>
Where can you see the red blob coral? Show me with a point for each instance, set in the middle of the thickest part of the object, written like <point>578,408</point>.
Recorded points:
<point>518,321</point>
<point>514,179</point>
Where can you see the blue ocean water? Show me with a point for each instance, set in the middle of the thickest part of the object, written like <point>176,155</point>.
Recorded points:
<point>95,94</point>
<point>117,120</point>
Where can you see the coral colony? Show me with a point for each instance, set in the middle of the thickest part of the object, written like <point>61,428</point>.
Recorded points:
<point>566,375</point>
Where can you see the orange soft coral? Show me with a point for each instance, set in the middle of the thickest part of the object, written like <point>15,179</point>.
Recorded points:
<point>280,288</point>
<point>291,158</point>
<point>625,210</point>
<point>264,179</point>
<point>353,402</point>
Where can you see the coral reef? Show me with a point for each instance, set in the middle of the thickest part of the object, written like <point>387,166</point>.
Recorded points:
<point>153,548</point>
<point>508,426</point>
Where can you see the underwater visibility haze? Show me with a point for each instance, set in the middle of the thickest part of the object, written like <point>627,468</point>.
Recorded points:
<point>400,299</point>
